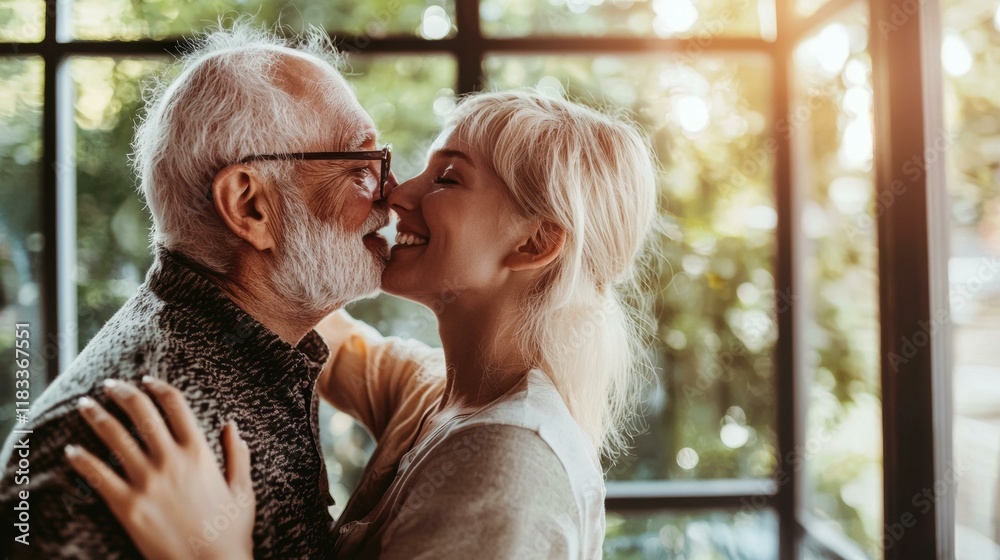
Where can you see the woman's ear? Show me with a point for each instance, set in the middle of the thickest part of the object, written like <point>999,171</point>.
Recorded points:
<point>544,245</point>
<point>239,198</point>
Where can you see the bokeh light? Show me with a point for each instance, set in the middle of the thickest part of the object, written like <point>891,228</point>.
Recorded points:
<point>435,24</point>
<point>687,458</point>
<point>955,55</point>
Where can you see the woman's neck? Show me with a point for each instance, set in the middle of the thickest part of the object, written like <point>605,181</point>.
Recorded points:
<point>481,366</point>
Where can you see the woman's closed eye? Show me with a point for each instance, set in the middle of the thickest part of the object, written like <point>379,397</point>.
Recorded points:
<point>446,178</point>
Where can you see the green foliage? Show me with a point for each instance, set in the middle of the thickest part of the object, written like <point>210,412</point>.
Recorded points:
<point>842,442</point>
<point>676,18</point>
<point>134,19</point>
<point>709,535</point>
<point>112,223</point>
<point>22,20</point>
<point>21,241</point>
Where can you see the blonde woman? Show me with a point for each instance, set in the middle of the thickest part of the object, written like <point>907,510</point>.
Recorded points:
<point>520,235</point>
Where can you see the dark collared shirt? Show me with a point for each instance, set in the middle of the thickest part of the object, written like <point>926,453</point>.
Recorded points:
<point>181,327</point>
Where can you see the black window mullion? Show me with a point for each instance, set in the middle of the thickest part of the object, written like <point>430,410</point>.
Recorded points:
<point>913,286</point>
<point>790,425</point>
<point>50,273</point>
<point>469,47</point>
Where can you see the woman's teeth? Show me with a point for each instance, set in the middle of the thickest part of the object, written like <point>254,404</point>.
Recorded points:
<point>410,239</point>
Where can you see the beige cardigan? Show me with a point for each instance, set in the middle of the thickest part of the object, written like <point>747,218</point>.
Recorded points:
<point>516,479</point>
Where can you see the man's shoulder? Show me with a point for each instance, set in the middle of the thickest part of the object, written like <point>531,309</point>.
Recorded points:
<point>139,338</point>
<point>146,336</point>
<point>141,323</point>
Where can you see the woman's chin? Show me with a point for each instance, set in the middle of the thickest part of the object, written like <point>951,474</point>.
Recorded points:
<point>396,280</point>
<point>405,283</point>
<point>399,269</point>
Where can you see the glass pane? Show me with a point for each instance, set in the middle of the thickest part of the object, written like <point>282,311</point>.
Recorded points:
<point>806,8</point>
<point>126,19</point>
<point>971,41</point>
<point>809,551</point>
<point>21,240</point>
<point>112,221</point>
<point>711,414</point>
<point>659,18</point>
<point>408,98</point>
<point>715,535</point>
<point>832,120</point>
<point>22,20</point>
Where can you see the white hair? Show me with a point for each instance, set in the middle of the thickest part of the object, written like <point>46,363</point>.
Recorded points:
<point>593,175</point>
<point>227,102</point>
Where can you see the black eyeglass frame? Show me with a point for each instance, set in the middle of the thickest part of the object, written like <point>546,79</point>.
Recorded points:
<point>384,155</point>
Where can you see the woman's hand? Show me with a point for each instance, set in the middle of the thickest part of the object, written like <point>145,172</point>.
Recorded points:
<point>174,502</point>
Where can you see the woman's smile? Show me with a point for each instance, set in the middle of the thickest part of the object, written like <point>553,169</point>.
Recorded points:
<point>405,238</point>
<point>408,240</point>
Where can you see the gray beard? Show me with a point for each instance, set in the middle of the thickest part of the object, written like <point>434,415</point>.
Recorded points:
<point>322,266</point>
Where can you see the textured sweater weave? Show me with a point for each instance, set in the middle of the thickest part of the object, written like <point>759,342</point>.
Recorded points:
<point>181,327</point>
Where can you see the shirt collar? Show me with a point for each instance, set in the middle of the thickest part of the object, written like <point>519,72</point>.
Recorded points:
<point>230,334</point>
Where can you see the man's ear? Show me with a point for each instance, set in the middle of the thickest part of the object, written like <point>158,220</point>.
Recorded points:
<point>544,245</point>
<point>239,197</point>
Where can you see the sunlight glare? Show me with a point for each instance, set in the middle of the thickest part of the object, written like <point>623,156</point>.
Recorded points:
<point>691,112</point>
<point>436,24</point>
<point>673,17</point>
<point>955,55</point>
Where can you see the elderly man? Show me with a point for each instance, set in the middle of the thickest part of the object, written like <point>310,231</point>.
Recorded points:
<point>262,175</point>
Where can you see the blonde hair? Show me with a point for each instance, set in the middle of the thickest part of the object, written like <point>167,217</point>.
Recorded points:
<point>593,175</point>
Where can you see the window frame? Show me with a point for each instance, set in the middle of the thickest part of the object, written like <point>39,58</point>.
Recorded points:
<point>912,245</point>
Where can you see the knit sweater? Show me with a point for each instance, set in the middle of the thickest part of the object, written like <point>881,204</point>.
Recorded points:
<point>181,327</point>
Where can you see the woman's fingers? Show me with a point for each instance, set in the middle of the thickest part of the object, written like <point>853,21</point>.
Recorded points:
<point>146,418</point>
<point>237,460</point>
<point>99,476</point>
<point>182,420</point>
<point>122,445</point>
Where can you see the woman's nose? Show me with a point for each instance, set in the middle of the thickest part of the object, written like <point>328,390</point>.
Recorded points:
<point>401,195</point>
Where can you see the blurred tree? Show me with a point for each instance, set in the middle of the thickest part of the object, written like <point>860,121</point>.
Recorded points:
<point>663,18</point>
<point>22,20</point>
<point>833,126</point>
<point>20,224</point>
<point>136,19</point>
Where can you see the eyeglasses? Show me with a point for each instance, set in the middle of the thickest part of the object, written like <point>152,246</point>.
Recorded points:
<point>384,155</point>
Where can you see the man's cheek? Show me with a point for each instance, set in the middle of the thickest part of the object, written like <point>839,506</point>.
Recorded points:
<point>351,211</point>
